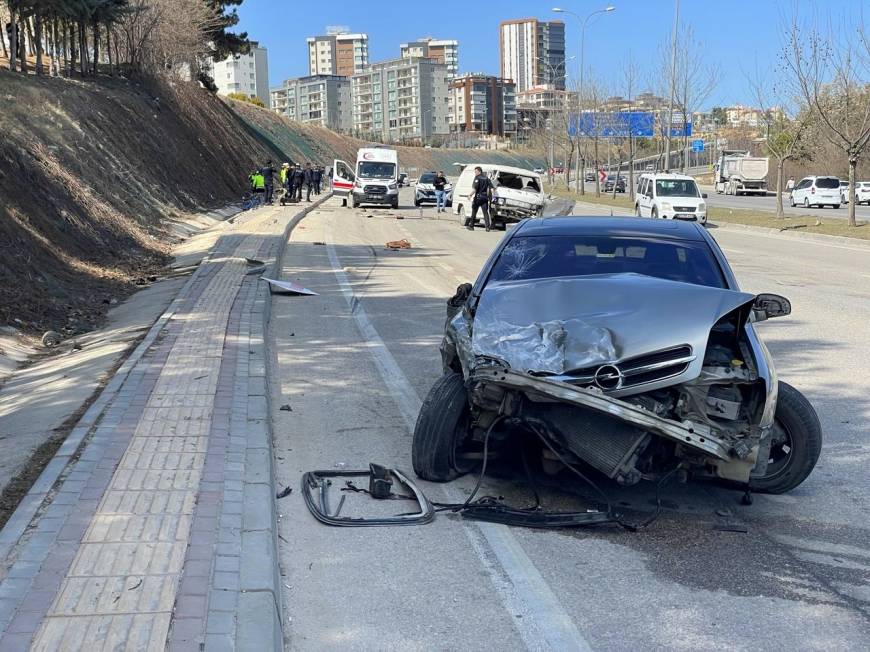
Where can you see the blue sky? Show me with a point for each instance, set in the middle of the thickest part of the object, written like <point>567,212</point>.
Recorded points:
<point>749,36</point>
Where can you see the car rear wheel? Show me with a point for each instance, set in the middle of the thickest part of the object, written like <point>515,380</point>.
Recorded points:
<point>796,443</point>
<point>416,202</point>
<point>442,431</point>
<point>806,202</point>
<point>462,216</point>
<point>835,206</point>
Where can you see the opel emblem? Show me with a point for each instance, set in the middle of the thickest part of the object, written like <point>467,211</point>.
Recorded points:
<point>608,377</point>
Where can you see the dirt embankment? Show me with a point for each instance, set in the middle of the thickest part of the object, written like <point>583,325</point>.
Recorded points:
<point>308,143</point>
<point>91,175</point>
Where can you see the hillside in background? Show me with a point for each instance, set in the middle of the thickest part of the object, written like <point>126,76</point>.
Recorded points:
<point>93,174</point>
<point>307,143</point>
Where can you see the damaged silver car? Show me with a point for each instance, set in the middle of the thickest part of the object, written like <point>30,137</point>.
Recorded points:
<point>624,344</point>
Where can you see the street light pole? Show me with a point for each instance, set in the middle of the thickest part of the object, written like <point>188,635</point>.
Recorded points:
<point>582,22</point>
<point>670,124</point>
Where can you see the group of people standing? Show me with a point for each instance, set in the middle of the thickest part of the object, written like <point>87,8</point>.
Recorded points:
<point>293,179</point>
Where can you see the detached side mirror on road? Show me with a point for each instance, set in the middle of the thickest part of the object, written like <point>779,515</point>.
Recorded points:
<point>767,306</point>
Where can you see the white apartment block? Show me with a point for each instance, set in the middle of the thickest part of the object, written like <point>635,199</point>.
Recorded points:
<point>323,100</point>
<point>443,51</point>
<point>337,53</point>
<point>401,100</point>
<point>532,53</point>
<point>245,73</point>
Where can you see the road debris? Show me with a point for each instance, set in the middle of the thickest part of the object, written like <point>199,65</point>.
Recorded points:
<point>51,339</point>
<point>381,479</point>
<point>286,408</point>
<point>398,244</point>
<point>287,287</point>
<point>286,491</point>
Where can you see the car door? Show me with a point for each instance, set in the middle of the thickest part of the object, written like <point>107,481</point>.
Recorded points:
<point>342,178</point>
<point>646,198</point>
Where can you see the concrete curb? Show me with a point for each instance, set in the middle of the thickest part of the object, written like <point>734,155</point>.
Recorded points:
<point>817,237</point>
<point>261,622</point>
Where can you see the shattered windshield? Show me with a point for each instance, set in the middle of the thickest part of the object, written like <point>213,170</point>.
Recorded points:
<point>565,255</point>
<point>517,182</point>
<point>376,170</point>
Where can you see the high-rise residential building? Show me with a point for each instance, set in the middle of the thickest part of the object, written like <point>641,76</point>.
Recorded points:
<point>244,73</point>
<point>401,100</point>
<point>443,51</point>
<point>483,104</point>
<point>323,100</point>
<point>533,53</point>
<point>338,53</point>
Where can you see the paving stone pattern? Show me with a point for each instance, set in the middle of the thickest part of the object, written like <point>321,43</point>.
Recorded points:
<point>161,534</point>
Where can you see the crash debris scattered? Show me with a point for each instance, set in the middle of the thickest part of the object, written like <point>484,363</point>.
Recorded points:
<point>287,287</point>
<point>398,244</point>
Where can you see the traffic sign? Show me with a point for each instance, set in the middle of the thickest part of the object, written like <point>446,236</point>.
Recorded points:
<point>698,145</point>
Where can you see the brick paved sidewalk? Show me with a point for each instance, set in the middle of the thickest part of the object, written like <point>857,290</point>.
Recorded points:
<point>161,532</point>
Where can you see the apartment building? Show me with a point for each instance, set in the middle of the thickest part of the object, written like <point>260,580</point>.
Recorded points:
<point>401,100</point>
<point>532,53</point>
<point>245,73</point>
<point>443,51</point>
<point>337,53</point>
<point>483,104</point>
<point>323,100</point>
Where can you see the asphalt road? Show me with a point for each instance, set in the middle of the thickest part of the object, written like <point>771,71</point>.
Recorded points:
<point>767,204</point>
<point>349,369</point>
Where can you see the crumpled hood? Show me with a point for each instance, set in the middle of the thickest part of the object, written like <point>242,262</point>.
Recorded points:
<point>563,324</point>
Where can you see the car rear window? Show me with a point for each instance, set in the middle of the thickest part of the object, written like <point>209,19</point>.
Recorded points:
<point>827,182</point>
<point>526,258</point>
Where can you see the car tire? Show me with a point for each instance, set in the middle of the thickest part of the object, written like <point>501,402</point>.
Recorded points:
<point>791,201</point>
<point>462,216</point>
<point>798,422</point>
<point>416,202</point>
<point>835,206</point>
<point>395,203</point>
<point>354,203</point>
<point>654,213</point>
<point>442,423</point>
<point>806,202</point>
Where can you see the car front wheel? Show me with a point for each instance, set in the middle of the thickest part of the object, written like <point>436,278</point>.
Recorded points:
<point>795,445</point>
<point>442,429</point>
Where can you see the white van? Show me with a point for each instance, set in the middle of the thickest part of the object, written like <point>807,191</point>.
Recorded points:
<point>670,196</point>
<point>377,177</point>
<point>817,191</point>
<point>517,193</point>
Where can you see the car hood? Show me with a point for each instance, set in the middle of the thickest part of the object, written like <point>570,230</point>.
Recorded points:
<point>429,186</point>
<point>554,326</point>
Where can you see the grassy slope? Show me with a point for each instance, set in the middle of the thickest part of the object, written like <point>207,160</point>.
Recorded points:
<point>308,143</point>
<point>89,172</point>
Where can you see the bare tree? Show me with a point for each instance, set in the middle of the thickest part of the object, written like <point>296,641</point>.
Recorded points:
<point>831,69</point>
<point>787,125</point>
<point>695,81</point>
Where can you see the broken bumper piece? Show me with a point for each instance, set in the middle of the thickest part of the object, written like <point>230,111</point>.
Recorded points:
<point>692,435</point>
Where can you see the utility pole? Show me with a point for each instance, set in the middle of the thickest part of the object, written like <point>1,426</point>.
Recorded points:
<point>669,127</point>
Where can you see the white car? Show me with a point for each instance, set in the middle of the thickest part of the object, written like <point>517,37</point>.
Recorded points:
<point>844,191</point>
<point>671,197</point>
<point>817,191</point>
<point>425,190</point>
<point>517,194</point>
<point>862,192</point>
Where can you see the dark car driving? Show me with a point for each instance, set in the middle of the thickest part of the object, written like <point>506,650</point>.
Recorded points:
<point>623,343</point>
<point>612,180</point>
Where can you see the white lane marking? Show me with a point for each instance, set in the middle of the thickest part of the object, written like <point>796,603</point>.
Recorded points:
<point>545,622</point>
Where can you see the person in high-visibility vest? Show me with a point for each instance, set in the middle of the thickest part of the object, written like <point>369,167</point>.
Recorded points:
<point>258,181</point>
<point>282,175</point>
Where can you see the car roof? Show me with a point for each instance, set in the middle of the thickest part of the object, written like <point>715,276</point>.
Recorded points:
<point>502,168</point>
<point>667,175</point>
<point>624,227</point>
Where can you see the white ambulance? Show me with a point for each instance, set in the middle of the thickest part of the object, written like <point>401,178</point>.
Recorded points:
<point>374,180</point>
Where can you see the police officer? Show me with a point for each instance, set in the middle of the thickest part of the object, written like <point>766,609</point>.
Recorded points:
<point>318,178</point>
<point>298,181</point>
<point>268,173</point>
<point>479,196</point>
<point>309,181</point>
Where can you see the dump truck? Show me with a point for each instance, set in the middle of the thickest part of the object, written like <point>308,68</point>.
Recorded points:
<point>739,173</point>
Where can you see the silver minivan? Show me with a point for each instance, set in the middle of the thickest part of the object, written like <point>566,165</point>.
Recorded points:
<point>817,191</point>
